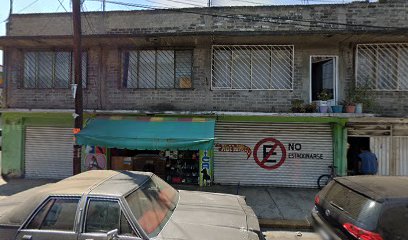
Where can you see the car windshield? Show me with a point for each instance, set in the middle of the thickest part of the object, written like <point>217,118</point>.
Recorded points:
<point>152,204</point>
<point>361,209</point>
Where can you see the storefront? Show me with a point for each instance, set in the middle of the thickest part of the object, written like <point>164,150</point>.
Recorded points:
<point>387,138</point>
<point>247,150</point>
<point>288,152</point>
<point>178,150</point>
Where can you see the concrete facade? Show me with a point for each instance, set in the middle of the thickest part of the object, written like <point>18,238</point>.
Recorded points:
<point>187,29</point>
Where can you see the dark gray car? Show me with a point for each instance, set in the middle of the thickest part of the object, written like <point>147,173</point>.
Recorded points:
<point>363,207</point>
<point>124,205</point>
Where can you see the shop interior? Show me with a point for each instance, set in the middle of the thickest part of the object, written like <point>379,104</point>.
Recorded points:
<point>354,149</point>
<point>176,167</point>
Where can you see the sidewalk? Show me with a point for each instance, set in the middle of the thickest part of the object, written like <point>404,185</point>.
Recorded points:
<point>275,207</point>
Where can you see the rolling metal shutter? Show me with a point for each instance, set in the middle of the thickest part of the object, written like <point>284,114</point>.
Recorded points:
<point>381,147</point>
<point>296,171</point>
<point>48,152</point>
<point>402,156</point>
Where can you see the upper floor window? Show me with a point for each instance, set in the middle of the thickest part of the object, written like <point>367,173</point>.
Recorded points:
<point>51,69</point>
<point>157,69</point>
<point>382,66</point>
<point>262,67</point>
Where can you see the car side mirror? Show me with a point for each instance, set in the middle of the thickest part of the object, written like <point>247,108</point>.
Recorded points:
<point>112,235</point>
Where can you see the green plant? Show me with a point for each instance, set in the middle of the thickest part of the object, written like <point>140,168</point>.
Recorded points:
<point>310,108</point>
<point>324,95</point>
<point>297,106</point>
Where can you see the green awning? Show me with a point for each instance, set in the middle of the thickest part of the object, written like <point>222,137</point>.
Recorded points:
<point>148,135</point>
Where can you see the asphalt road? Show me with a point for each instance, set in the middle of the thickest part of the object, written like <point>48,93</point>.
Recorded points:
<point>291,235</point>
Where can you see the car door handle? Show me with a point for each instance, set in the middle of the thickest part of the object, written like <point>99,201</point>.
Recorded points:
<point>27,237</point>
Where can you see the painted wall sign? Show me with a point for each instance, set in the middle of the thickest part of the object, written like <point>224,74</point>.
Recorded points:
<point>95,158</point>
<point>234,148</point>
<point>273,153</point>
<point>206,167</point>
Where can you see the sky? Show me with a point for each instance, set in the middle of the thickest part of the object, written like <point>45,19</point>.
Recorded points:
<point>42,6</point>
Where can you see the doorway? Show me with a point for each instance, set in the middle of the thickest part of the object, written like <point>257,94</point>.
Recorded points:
<point>323,77</point>
<point>354,146</point>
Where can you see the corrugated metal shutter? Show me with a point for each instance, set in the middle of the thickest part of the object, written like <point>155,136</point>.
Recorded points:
<point>402,155</point>
<point>234,167</point>
<point>48,152</point>
<point>381,146</point>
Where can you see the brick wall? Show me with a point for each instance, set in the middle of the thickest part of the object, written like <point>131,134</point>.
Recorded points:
<point>238,19</point>
<point>104,90</point>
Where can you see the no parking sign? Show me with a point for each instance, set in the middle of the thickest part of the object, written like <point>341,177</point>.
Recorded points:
<point>273,153</point>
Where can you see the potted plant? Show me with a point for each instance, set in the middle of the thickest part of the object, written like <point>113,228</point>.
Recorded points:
<point>362,98</point>
<point>310,108</point>
<point>337,108</point>
<point>297,106</point>
<point>323,97</point>
<point>350,106</point>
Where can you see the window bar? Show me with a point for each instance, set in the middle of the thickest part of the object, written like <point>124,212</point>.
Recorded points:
<point>37,70</point>
<point>250,67</point>
<point>376,68</point>
<point>54,62</point>
<point>292,66</point>
<point>270,67</point>
<point>231,67</point>
<point>174,67</point>
<point>138,69</point>
<point>155,69</point>
<point>191,69</point>
<point>397,67</point>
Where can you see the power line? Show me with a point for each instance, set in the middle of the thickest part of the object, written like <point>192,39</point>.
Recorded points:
<point>276,20</point>
<point>29,5</point>
<point>62,5</point>
<point>91,26</point>
<point>182,2</point>
<point>49,20</point>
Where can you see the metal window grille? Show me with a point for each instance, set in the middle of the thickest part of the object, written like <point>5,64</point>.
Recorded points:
<point>261,67</point>
<point>51,69</point>
<point>382,66</point>
<point>157,69</point>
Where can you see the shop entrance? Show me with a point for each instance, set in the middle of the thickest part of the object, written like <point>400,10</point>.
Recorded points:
<point>354,146</point>
<point>176,167</point>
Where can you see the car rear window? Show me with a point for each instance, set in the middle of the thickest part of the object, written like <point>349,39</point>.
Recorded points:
<point>152,204</point>
<point>360,208</point>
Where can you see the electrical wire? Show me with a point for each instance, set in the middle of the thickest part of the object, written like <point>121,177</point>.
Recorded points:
<point>269,19</point>
<point>91,26</point>
<point>29,5</point>
<point>62,5</point>
<point>56,10</point>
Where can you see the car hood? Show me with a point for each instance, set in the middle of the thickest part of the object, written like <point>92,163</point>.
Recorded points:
<point>203,216</point>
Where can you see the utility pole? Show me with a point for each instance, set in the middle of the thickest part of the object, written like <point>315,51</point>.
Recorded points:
<point>11,8</point>
<point>103,5</point>
<point>77,87</point>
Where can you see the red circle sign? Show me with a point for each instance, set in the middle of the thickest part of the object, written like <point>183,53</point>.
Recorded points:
<point>273,147</point>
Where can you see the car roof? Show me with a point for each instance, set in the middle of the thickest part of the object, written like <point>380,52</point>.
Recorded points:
<point>378,188</point>
<point>15,209</point>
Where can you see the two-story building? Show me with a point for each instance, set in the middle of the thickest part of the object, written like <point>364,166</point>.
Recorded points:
<point>210,92</point>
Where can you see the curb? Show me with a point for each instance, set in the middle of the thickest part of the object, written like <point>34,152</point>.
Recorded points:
<point>285,224</point>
